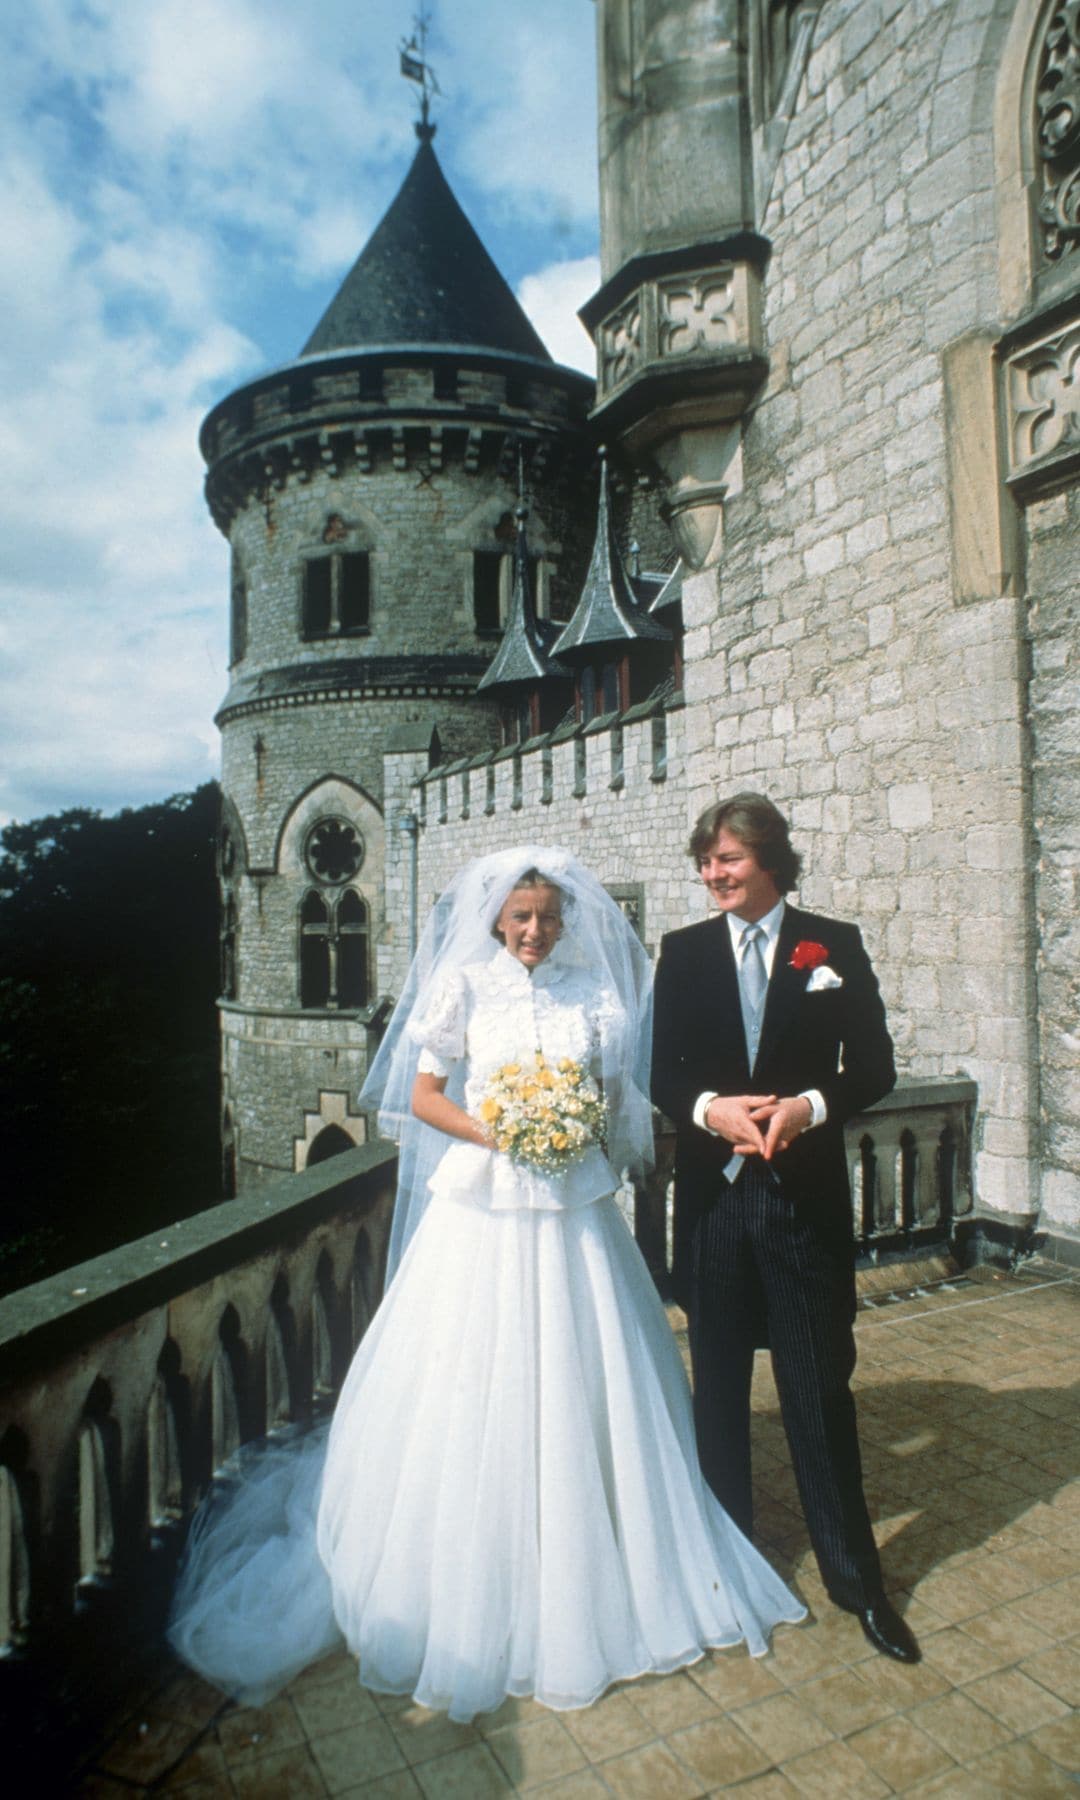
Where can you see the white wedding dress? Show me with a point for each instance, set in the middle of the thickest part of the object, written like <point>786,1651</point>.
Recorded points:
<point>509,1501</point>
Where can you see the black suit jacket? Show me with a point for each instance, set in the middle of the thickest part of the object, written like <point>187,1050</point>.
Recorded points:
<point>834,1039</point>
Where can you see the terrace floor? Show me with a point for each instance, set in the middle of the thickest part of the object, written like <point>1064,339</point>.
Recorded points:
<point>968,1395</point>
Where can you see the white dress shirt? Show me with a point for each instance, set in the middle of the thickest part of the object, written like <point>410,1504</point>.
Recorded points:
<point>770,928</point>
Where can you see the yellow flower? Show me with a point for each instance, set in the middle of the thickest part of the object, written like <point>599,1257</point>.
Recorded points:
<point>489,1110</point>
<point>559,1140</point>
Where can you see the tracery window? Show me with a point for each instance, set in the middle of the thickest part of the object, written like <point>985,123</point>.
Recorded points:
<point>334,850</point>
<point>1057,124</point>
<point>333,954</point>
<point>334,935</point>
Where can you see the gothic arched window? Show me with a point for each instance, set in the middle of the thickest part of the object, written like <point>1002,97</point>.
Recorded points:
<point>334,951</point>
<point>314,951</point>
<point>352,950</point>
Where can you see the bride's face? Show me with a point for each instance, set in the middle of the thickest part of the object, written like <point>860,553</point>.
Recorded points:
<point>529,923</point>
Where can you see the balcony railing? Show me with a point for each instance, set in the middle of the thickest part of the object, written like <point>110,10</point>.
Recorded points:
<point>127,1381</point>
<point>910,1163</point>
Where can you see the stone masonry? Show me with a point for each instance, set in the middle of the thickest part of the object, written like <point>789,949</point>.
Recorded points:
<point>840,657</point>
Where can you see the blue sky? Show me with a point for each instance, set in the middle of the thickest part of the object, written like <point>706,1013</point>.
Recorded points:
<point>184,184</point>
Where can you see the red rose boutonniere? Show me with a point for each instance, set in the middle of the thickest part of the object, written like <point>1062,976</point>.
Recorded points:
<point>808,955</point>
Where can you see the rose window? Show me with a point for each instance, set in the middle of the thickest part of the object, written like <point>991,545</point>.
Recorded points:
<point>334,850</point>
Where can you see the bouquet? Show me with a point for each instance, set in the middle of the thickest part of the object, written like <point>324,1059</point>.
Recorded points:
<point>541,1114</point>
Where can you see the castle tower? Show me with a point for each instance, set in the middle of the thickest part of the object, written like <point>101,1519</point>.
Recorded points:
<point>367,490</point>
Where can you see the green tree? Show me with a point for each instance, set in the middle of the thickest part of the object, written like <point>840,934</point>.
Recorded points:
<point>108,1035</point>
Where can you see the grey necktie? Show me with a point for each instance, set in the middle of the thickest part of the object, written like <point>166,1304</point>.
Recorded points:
<point>752,984</point>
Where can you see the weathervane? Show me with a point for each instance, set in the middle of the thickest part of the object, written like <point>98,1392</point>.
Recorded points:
<point>415,67</point>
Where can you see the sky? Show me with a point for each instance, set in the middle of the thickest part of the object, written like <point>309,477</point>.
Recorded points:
<point>184,185</point>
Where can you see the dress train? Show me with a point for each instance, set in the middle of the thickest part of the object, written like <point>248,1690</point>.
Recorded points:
<point>509,1499</point>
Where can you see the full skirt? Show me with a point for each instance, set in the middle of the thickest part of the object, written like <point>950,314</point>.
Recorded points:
<point>509,1500</point>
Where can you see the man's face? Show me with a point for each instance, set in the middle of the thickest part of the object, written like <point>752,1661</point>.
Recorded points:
<point>736,880</point>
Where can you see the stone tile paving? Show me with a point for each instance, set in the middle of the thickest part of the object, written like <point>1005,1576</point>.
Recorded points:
<point>968,1398</point>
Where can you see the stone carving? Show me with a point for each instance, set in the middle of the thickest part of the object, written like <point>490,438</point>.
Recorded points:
<point>711,312</point>
<point>1043,397</point>
<point>621,344</point>
<point>698,314</point>
<point>334,850</point>
<point>1057,101</point>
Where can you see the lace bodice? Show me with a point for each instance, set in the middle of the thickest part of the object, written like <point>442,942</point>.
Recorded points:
<point>492,1013</point>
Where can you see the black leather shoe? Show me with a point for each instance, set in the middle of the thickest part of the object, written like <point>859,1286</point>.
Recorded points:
<point>886,1630</point>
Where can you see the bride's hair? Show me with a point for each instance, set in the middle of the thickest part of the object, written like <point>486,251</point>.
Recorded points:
<point>532,878</point>
<point>535,878</point>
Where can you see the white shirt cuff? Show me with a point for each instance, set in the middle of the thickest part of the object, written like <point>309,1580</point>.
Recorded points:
<point>819,1113</point>
<point>701,1107</point>
<point>818,1110</point>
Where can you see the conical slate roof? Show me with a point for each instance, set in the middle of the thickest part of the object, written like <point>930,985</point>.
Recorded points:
<point>608,611</point>
<point>425,278</point>
<point>521,659</point>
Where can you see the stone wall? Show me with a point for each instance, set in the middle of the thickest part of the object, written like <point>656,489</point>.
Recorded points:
<point>1054,623</point>
<point>420,528</point>
<point>845,656</point>
<point>616,800</point>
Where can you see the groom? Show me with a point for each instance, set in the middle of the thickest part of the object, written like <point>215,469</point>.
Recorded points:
<point>770,1033</point>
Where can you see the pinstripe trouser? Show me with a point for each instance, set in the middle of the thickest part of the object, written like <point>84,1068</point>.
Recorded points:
<point>754,1258</point>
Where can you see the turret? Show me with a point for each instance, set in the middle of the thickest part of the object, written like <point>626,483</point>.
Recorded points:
<point>367,490</point>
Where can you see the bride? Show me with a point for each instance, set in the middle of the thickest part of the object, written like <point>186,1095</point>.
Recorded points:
<point>509,1500</point>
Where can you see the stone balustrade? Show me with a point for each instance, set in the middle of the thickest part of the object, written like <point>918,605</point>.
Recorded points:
<point>910,1163</point>
<point>127,1381</point>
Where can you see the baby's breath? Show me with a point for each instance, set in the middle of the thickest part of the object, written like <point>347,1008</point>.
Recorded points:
<point>543,1114</point>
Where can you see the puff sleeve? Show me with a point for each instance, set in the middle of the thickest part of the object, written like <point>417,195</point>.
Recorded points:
<point>439,1029</point>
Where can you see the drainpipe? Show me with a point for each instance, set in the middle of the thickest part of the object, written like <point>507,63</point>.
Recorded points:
<point>409,827</point>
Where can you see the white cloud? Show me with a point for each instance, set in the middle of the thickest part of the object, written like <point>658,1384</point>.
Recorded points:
<point>552,297</point>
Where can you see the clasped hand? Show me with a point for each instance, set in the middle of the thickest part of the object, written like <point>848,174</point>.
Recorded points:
<point>758,1124</point>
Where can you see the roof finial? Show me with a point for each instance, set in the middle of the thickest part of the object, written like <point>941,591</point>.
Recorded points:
<point>415,67</point>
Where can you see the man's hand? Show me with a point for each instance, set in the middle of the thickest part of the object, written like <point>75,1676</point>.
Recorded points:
<point>739,1117</point>
<point>787,1119</point>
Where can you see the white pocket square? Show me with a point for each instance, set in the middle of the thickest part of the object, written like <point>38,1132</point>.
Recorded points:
<point>823,977</point>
